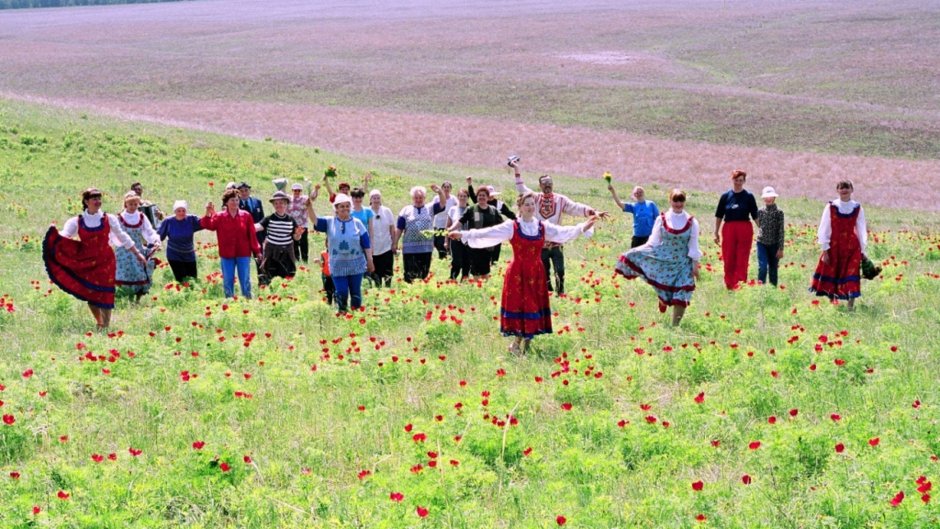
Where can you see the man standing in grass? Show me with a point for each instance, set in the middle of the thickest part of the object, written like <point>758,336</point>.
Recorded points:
<point>550,207</point>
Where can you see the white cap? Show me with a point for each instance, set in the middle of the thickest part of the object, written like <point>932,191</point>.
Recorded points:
<point>769,193</point>
<point>180,204</point>
<point>297,187</point>
<point>492,190</point>
<point>374,193</point>
<point>340,198</point>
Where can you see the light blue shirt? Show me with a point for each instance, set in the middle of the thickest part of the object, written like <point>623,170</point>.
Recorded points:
<point>644,215</point>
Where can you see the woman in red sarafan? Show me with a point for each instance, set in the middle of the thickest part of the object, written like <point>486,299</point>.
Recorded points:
<point>525,310</point>
<point>85,267</point>
<point>843,235</point>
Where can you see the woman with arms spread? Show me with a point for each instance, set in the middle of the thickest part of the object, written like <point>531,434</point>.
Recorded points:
<point>525,310</point>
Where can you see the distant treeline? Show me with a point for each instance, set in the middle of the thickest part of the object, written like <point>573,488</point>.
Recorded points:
<point>23,4</point>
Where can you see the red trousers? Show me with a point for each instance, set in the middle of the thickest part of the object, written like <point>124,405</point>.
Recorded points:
<point>736,240</point>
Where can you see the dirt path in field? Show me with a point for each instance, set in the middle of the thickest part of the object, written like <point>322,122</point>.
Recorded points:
<point>584,152</point>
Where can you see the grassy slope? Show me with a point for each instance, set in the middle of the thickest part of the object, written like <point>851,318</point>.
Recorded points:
<point>308,441</point>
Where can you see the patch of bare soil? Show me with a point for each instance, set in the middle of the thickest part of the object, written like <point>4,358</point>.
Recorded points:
<point>473,141</point>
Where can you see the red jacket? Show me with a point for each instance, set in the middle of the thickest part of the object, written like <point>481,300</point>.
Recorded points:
<point>236,234</point>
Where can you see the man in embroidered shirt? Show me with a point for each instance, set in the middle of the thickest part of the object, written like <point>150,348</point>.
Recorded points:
<point>551,206</point>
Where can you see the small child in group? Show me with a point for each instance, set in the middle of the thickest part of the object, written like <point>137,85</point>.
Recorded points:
<point>644,213</point>
<point>769,237</point>
<point>324,261</point>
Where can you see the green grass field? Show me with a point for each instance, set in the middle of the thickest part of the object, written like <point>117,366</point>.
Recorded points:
<point>200,412</point>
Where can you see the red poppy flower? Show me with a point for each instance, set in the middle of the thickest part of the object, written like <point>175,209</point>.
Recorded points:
<point>9,419</point>
<point>840,448</point>
<point>396,497</point>
<point>422,512</point>
<point>561,520</point>
<point>566,406</point>
<point>700,398</point>
<point>874,441</point>
<point>62,495</point>
<point>698,485</point>
<point>225,467</point>
<point>746,479</point>
<point>197,445</point>
<point>754,445</point>
<point>897,499</point>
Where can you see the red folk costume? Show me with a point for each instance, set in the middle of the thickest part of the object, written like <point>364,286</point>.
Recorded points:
<point>525,309</point>
<point>83,268</point>
<point>840,278</point>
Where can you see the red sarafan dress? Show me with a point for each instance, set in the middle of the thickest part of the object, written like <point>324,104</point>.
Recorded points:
<point>840,278</point>
<point>84,268</point>
<point>525,307</point>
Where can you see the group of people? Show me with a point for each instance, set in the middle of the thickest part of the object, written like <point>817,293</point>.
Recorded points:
<point>361,242</point>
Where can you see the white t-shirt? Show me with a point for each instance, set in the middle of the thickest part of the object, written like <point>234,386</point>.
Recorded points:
<point>381,238</point>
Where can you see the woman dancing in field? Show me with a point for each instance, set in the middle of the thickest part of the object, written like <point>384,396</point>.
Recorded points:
<point>86,268</point>
<point>843,236</point>
<point>130,275</point>
<point>525,310</point>
<point>669,260</point>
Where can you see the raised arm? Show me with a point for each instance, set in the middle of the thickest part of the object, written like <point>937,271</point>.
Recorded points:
<point>520,185</point>
<point>617,200</point>
<point>208,220</point>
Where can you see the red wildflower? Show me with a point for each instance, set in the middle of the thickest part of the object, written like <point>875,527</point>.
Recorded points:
<point>840,448</point>
<point>754,445</point>
<point>566,406</point>
<point>62,495</point>
<point>700,398</point>
<point>874,441</point>
<point>9,419</point>
<point>561,520</point>
<point>897,499</point>
<point>421,511</point>
<point>396,496</point>
<point>698,485</point>
<point>746,479</point>
<point>197,445</point>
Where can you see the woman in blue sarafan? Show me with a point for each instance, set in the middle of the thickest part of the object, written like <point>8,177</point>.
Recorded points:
<point>669,260</point>
<point>350,251</point>
<point>131,276</point>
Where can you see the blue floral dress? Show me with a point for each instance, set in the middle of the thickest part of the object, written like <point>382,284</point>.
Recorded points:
<point>130,274</point>
<point>667,266</point>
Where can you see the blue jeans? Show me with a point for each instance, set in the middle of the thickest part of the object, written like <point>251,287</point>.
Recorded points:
<point>767,262</point>
<point>229,266</point>
<point>348,286</point>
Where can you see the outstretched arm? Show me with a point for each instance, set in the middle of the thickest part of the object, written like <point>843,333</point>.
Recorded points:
<point>613,192</point>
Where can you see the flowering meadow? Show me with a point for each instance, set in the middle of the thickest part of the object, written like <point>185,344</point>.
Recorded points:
<point>767,408</point>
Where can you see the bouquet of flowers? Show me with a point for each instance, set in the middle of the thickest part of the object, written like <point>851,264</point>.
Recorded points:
<point>608,177</point>
<point>330,172</point>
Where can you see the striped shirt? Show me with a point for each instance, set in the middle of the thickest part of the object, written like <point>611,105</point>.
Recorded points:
<point>280,229</point>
